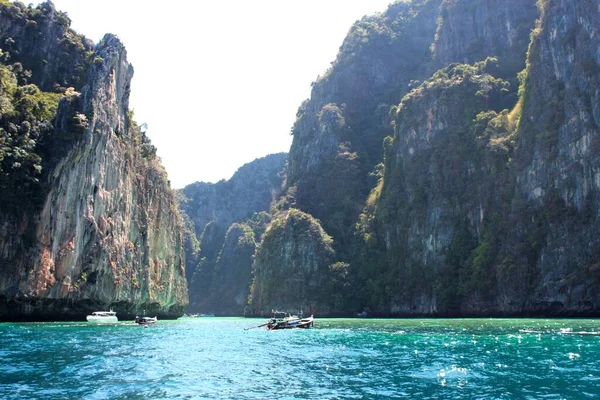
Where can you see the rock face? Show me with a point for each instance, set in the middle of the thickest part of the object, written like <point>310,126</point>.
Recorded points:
<point>558,164</point>
<point>471,31</point>
<point>226,221</point>
<point>435,189</point>
<point>231,274</point>
<point>339,130</point>
<point>293,270</point>
<point>251,189</point>
<point>511,226</point>
<point>485,201</point>
<point>107,233</point>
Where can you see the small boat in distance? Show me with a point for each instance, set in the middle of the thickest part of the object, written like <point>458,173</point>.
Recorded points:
<point>207,315</point>
<point>145,320</point>
<point>103,317</point>
<point>282,320</point>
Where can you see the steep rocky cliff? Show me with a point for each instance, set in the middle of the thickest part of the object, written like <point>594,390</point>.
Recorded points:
<point>437,190</point>
<point>557,162</point>
<point>338,131</point>
<point>226,220</point>
<point>250,189</point>
<point>231,274</point>
<point>335,170</point>
<point>104,230</point>
<point>471,31</point>
<point>510,226</point>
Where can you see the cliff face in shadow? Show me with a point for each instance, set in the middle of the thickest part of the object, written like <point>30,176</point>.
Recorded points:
<point>557,158</point>
<point>103,229</point>
<point>494,213</point>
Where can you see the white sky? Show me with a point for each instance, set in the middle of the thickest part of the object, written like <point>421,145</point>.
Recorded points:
<point>219,82</point>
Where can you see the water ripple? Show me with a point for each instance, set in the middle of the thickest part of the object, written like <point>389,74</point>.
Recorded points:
<point>339,359</point>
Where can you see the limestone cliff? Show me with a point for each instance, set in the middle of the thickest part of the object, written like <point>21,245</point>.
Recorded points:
<point>337,172</point>
<point>510,227</point>
<point>294,267</point>
<point>437,190</point>
<point>338,131</point>
<point>251,189</point>
<point>106,232</point>
<point>231,275</point>
<point>557,162</point>
<point>471,31</point>
<point>445,165</point>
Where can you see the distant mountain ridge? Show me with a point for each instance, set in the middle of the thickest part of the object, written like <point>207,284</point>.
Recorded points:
<point>225,222</point>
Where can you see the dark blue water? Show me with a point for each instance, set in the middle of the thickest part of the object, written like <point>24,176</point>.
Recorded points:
<point>338,359</point>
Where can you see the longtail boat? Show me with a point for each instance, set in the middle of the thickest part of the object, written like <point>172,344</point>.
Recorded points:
<point>282,320</point>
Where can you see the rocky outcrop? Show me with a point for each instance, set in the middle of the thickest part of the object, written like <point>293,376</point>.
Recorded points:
<point>561,105</point>
<point>293,269</point>
<point>107,233</point>
<point>437,191</point>
<point>251,189</point>
<point>486,201</point>
<point>229,281</point>
<point>382,58</point>
<point>339,130</point>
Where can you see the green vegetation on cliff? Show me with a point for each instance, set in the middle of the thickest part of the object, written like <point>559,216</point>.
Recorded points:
<point>26,115</point>
<point>231,273</point>
<point>89,220</point>
<point>476,199</point>
<point>339,130</point>
<point>434,134</point>
<point>294,267</point>
<point>35,73</point>
<point>39,42</point>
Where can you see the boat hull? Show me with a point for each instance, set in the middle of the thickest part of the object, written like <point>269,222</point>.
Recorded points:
<point>101,320</point>
<point>146,320</point>
<point>303,323</point>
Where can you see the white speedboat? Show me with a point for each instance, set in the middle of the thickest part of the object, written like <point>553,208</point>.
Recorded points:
<point>103,317</point>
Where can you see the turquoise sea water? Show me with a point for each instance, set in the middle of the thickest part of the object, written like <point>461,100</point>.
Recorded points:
<point>338,359</point>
